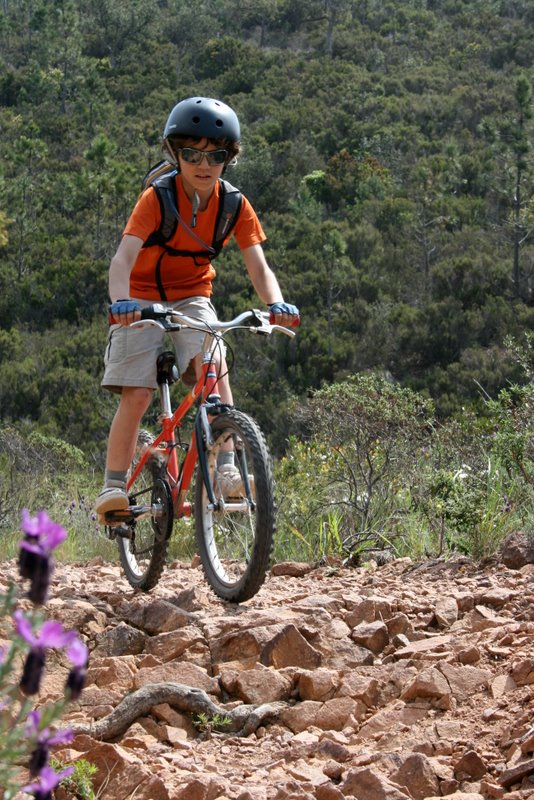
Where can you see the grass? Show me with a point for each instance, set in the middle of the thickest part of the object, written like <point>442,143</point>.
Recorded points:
<point>317,537</point>
<point>461,486</point>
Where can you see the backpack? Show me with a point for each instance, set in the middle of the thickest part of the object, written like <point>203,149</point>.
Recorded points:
<point>162,178</point>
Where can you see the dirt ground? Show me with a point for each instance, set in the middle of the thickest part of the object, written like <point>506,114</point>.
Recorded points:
<point>397,681</point>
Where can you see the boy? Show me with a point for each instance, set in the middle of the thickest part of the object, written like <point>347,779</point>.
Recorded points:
<point>201,138</point>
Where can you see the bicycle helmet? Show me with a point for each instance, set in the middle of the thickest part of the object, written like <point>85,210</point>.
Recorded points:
<point>203,117</point>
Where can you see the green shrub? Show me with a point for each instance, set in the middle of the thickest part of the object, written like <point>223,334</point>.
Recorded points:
<point>79,784</point>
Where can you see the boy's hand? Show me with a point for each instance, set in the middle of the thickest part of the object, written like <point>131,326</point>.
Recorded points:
<point>124,312</point>
<point>284,314</point>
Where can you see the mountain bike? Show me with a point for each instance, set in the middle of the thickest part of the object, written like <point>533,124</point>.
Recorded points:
<point>234,534</point>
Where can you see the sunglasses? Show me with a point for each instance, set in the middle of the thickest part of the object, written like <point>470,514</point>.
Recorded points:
<point>192,156</point>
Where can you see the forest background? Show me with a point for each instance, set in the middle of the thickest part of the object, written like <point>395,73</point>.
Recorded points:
<point>388,150</point>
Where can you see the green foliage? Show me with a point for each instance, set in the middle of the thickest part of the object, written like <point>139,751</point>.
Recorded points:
<point>79,784</point>
<point>379,472</point>
<point>513,416</point>
<point>304,504</point>
<point>373,426</point>
<point>41,471</point>
<point>363,433</point>
<point>207,725</point>
<point>396,191</point>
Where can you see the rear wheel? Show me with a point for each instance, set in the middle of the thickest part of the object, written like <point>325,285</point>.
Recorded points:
<point>235,537</point>
<point>142,540</point>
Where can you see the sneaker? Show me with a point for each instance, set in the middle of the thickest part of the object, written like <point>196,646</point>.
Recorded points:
<point>111,498</point>
<point>231,483</point>
<point>229,480</point>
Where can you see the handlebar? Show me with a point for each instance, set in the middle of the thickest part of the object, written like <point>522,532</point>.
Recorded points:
<point>168,319</point>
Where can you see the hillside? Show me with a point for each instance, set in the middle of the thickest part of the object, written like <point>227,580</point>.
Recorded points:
<point>387,148</point>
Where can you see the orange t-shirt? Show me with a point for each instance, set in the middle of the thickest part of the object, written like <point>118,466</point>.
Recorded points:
<point>182,276</point>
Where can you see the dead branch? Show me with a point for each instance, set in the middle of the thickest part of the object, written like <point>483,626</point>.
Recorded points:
<point>243,720</point>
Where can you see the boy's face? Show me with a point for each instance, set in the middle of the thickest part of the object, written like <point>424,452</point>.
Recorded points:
<point>200,177</point>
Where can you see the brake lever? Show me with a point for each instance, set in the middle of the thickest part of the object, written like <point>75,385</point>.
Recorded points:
<point>156,311</point>
<point>283,329</point>
<point>162,325</point>
<point>266,329</point>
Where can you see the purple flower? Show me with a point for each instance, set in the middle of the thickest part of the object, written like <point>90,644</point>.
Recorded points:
<point>41,536</point>
<point>78,654</point>
<point>32,672</point>
<point>41,568</point>
<point>45,740</point>
<point>48,534</point>
<point>47,781</point>
<point>75,683</point>
<point>50,635</point>
<point>46,735</point>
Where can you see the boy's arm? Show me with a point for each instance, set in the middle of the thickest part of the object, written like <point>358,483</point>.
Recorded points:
<point>267,287</point>
<point>121,267</point>
<point>119,279</point>
<point>262,277</point>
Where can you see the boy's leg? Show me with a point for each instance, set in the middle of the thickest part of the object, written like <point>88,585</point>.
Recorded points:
<point>228,475</point>
<point>121,448</point>
<point>223,384</point>
<point>122,440</point>
<point>130,369</point>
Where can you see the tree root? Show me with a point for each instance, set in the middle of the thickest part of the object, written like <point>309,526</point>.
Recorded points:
<point>243,720</point>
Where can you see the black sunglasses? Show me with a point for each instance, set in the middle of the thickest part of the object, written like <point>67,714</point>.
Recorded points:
<point>192,156</point>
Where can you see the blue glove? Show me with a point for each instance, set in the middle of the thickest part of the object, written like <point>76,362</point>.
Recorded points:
<point>124,307</point>
<point>285,308</point>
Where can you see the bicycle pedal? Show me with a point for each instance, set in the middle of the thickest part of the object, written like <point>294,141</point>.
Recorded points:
<point>123,531</point>
<point>119,516</point>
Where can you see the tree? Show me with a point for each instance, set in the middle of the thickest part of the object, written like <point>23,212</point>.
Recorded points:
<point>523,213</point>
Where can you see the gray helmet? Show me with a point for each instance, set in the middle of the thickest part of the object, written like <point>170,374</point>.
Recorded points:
<point>203,117</point>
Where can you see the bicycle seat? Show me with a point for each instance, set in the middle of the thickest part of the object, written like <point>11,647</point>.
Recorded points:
<point>167,369</point>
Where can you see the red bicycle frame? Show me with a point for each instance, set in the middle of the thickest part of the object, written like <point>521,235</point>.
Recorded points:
<point>179,477</point>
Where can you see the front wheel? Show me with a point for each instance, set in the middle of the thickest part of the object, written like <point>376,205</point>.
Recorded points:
<point>235,535</point>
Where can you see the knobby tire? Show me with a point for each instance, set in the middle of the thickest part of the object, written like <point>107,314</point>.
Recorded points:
<point>235,546</point>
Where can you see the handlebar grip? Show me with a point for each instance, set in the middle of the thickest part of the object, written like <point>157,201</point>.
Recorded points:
<point>294,323</point>
<point>155,311</point>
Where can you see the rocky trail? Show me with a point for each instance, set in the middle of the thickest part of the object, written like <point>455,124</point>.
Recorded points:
<point>377,683</point>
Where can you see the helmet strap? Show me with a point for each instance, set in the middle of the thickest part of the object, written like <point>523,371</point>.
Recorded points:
<point>172,155</point>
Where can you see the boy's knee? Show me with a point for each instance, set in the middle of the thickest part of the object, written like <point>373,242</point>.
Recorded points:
<point>190,375</point>
<point>136,398</point>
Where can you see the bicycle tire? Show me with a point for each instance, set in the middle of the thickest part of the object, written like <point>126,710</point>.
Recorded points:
<point>143,552</point>
<point>235,546</point>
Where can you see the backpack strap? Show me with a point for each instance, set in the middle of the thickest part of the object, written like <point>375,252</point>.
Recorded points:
<point>230,201</point>
<point>165,188</point>
<point>161,168</point>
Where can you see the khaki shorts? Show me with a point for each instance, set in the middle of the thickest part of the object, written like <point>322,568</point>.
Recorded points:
<point>131,353</point>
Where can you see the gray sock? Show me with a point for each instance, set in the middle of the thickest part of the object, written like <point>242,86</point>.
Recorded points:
<point>225,458</point>
<point>115,479</point>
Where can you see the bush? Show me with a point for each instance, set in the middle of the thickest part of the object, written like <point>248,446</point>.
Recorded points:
<point>362,435</point>
<point>373,469</point>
